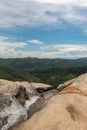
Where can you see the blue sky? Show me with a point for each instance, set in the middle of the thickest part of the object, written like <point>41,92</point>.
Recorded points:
<point>43,28</point>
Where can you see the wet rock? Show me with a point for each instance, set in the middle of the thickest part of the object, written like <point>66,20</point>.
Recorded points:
<point>20,100</point>
<point>22,95</point>
<point>49,94</point>
<point>34,103</point>
<point>36,106</point>
<point>18,107</point>
<point>3,121</point>
<point>11,111</point>
<point>67,110</point>
<point>4,100</point>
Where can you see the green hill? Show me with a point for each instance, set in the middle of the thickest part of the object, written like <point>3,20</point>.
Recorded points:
<point>52,71</point>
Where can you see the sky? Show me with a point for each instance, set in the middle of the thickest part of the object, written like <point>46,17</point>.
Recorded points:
<point>43,28</point>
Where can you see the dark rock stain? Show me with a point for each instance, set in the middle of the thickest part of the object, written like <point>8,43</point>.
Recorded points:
<point>71,109</point>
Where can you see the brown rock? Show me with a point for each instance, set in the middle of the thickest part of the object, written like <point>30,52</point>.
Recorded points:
<point>13,87</point>
<point>66,110</point>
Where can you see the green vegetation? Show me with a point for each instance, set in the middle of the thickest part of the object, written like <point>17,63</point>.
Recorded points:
<point>51,71</point>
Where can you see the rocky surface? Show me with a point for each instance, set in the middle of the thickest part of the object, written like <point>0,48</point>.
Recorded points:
<point>41,86</point>
<point>78,84</point>
<point>19,101</point>
<point>66,110</point>
<point>14,111</point>
<point>64,85</point>
<point>12,87</point>
<point>11,111</point>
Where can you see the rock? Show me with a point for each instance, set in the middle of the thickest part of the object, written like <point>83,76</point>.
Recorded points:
<point>78,85</point>
<point>17,105</point>
<point>66,110</point>
<point>63,112</point>
<point>41,86</point>
<point>11,111</point>
<point>49,94</point>
<point>34,103</point>
<point>64,85</point>
<point>4,100</point>
<point>33,106</point>
<point>12,87</point>
<point>22,95</point>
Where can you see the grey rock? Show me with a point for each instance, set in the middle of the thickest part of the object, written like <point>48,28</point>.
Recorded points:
<point>11,112</point>
<point>17,108</point>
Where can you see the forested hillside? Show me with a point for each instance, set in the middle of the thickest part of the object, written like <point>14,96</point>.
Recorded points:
<point>51,71</point>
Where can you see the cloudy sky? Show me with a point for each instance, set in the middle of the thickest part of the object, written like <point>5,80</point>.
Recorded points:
<point>43,28</point>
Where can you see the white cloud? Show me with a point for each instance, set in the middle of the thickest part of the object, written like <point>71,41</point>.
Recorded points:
<point>37,13</point>
<point>6,42</point>
<point>75,2</point>
<point>34,41</point>
<point>9,49</point>
<point>66,50</point>
<point>54,1</point>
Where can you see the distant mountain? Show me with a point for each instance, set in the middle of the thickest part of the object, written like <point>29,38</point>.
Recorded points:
<point>52,71</point>
<point>35,62</point>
